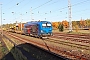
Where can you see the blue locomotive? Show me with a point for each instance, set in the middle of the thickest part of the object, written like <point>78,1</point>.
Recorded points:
<point>38,28</point>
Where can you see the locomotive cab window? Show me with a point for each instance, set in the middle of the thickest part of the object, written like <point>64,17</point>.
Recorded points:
<point>45,25</point>
<point>48,25</point>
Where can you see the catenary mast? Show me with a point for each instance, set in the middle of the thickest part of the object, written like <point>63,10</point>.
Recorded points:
<point>69,13</point>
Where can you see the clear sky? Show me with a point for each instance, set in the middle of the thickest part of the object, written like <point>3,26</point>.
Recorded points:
<point>49,10</point>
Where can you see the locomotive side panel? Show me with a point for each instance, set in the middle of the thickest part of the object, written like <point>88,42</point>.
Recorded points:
<point>27,29</point>
<point>39,29</point>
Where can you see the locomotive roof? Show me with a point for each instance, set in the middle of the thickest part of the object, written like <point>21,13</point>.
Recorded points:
<point>35,22</point>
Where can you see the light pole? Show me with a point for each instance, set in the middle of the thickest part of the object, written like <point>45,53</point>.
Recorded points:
<point>21,22</point>
<point>1,20</point>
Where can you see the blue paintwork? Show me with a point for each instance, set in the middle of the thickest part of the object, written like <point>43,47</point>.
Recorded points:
<point>41,30</point>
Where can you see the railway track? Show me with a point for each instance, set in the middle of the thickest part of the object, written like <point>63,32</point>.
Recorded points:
<point>49,54</point>
<point>73,37</point>
<point>81,46</point>
<point>55,49</point>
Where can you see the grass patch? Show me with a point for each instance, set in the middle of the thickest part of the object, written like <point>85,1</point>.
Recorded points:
<point>17,54</point>
<point>3,50</point>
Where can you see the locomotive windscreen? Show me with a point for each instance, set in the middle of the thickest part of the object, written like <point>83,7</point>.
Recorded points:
<point>46,25</point>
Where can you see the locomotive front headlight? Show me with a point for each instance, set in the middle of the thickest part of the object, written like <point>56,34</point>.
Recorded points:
<point>41,31</point>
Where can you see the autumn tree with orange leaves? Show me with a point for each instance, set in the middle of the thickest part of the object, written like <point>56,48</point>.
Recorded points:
<point>82,23</point>
<point>55,24</point>
<point>87,23</point>
<point>65,23</point>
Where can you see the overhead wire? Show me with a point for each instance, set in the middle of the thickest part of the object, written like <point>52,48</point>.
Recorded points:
<point>72,5</point>
<point>25,4</point>
<point>81,2</point>
<point>20,2</point>
<point>16,4</point>
<point>52,3</point>
<point>61,8</point>
<point>48,2</point>
<point>13,5</point>
<point>41,5</point>
<point>81,10</point>
<point>8,2</point>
